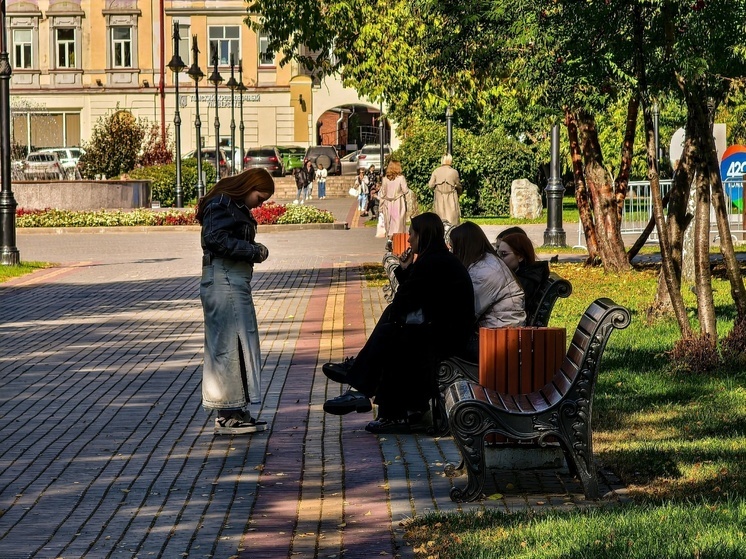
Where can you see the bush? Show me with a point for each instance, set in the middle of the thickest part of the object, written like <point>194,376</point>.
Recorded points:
<point>101,218</point>
<point>305,214</point>
<point>268,214</point>
<point>488,164</point>
<point>163,180</point>
<point>115,143</point>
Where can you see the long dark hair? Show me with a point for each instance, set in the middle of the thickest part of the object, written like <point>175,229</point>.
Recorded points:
<point>469,243</point>
<point>430,231</point>
<point>237,187</point>
<point>522,246</point>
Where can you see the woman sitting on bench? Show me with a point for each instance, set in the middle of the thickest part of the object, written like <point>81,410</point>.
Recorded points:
<point>429,319</point>
<point>498,297</point>
<point>517,251</point>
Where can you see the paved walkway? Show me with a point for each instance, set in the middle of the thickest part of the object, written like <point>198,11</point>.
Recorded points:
<point>105,450</point>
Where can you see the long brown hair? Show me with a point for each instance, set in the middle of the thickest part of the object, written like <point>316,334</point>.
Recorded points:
<point>522,246</point>
<point>237,187</point>
<point>393,170</point>
<point>469,243</point>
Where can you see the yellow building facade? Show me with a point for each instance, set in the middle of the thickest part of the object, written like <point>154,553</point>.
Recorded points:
<point>74,61</point>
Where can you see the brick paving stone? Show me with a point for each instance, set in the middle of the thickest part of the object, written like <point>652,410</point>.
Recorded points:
<point>106,451</point>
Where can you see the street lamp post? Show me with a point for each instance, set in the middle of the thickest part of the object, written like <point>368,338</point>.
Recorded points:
<point>381,139</point>
<point>232,84</point>
<point>554,235</point>
<point>449,129</point>
<point>9,255</point>
<point>195,73</point>
<point>241,89</point>
<point>216,79</point>
<point>177,65</point>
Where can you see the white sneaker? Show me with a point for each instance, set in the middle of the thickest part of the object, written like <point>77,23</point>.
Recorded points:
<point>295,201</point>
<point>310,196</point>
<point>302,201</point>
<point>238,423</point>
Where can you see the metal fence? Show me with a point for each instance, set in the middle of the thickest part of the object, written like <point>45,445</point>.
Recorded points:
<point>638,208</point>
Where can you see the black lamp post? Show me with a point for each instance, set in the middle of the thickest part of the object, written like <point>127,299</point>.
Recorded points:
<point>381,139</point>
<point>449,130</point>
<point>9,255</point>
<point>232,84</point>
<point>554,235</point>
<point>216,79</point>
<point>177,65</point>
<point>241,89</point>
<point>195,73</point>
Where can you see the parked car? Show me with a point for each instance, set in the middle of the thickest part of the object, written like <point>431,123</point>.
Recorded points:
<point>208,155</point>
<point>292,157</point>
<point>327,156</point>
<point>349,163</point>
<point>43,166</point>
<point>265,157</point>
<point>371,155</point>
<point>69,158</point>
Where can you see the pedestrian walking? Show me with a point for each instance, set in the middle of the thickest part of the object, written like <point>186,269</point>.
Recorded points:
<point>361,185</point>
<point>446,185</point>
<point>311,172</point>
<point>393,205</point>
<point>232,363</point>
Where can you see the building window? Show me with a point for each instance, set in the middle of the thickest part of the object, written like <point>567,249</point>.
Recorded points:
<point>266,58</point>
<point>121,46</point>
<point>226,39</point>
<point>65,48</point>
<point>22,48</point>
<point>185,44</point>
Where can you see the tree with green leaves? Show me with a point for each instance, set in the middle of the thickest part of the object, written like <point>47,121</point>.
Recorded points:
<point>114,146</point>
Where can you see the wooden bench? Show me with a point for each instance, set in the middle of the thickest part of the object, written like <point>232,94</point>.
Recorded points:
<point>455,368</point>
<point>561,409</point>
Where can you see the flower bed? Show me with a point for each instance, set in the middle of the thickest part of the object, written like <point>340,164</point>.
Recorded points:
<point>268,214</point>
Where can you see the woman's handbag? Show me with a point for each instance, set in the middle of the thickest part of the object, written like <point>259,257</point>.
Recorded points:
<point>353,191</point>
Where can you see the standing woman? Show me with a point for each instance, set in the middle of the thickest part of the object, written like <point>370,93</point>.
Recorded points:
<point>446,186</point>
<point>361,184</point>
<point>393,204</point>
<point>230,377</point>
<point>321,174</point>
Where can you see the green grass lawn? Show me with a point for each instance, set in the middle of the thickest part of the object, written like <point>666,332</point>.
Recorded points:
<point>10,272</point>
<point>677,439</point>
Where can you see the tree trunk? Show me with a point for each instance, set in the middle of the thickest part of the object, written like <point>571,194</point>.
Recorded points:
<point>721,215</point>
<point>667,268</point>
<point>703,283</point>
<point>603,198</point>
<point>622,179</point>
<point>581,189</point>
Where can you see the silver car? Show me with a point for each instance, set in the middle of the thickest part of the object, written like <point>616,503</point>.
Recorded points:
<point>371,155</point>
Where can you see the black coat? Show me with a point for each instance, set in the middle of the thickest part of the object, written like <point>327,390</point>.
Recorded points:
<point>438,284</point>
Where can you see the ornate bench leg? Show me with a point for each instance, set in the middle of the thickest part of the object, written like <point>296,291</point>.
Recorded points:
<point>577,446</point>
<point>469,427</point>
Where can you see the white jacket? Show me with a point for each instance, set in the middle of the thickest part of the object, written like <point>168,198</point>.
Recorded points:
<point>498,297</point>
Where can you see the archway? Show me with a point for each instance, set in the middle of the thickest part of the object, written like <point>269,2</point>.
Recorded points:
<point>349,127</point>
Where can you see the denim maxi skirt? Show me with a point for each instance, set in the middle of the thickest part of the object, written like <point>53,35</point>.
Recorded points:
<point>231,375</point>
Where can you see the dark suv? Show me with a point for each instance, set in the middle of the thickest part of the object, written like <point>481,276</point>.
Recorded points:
<point>266,157</point>
<point>326,156</point>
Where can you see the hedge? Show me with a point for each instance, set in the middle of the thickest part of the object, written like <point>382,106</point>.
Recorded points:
<point>163,180</point>
<point>488,164</point>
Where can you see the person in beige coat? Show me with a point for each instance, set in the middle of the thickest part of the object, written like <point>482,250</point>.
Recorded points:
<point>446,185</point>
